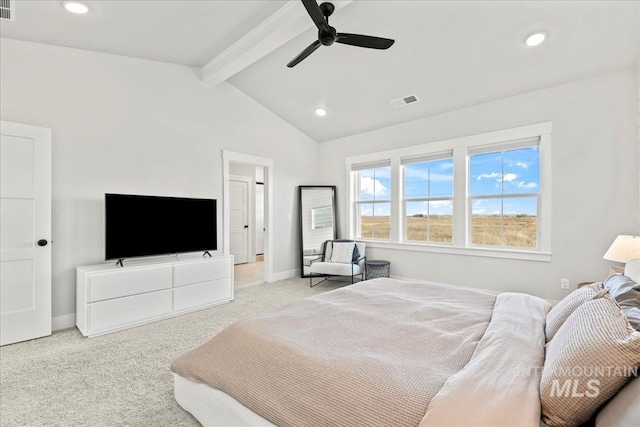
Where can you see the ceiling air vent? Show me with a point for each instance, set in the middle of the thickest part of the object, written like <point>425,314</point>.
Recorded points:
<point>401,102</point>
<point>8,10</point>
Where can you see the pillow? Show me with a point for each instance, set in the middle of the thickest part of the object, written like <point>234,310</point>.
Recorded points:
<point>356,253</point>
<point>560,312</point>
<point>342,252</point>
<point>627,294</point>
<point>591,357</point>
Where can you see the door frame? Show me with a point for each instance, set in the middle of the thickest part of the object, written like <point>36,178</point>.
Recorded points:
<point>235,157</point>
<point>251,256</point>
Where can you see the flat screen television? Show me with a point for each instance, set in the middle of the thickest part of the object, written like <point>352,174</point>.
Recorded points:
<point>148,225</point>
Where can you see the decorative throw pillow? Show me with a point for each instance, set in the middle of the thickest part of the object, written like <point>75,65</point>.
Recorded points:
<point>560,312</point>
<point>591,357</point>
<point>356,253</point>
<point>342,252</point>
<point>627,294</point>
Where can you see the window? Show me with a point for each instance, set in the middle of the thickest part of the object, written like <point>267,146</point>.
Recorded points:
<point>428,199</point>
<point>486,195</point>
<point>321,217</point>
<point>373,201</point>
<point>504,190</point>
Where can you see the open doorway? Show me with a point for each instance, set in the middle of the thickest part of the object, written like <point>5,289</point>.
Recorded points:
<point>247,217</point>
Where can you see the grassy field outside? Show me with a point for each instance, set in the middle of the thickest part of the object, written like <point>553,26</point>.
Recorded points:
<point>519,230</point>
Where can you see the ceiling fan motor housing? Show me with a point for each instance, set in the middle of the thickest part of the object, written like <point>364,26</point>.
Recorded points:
<point>327,37</point>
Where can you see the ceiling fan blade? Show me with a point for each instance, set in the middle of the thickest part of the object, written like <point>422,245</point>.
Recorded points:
<point>360,40</point>
<point>308,51</point>
<point>314,12</point>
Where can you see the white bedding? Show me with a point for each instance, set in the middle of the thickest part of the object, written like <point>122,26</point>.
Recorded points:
<point>498,386</point>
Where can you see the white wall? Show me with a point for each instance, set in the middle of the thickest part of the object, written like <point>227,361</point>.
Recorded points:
<point>595,181</point>
<point>127,125</point>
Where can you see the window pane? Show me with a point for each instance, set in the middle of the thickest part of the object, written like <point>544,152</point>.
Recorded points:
<point>382,183</point>
<point>486,222</point>
<point>375,184</point>
<point>366,181</point>
<point>375,220</point>
<point>522,171</point>
<point>416,221</point>
<point>441,178</point>
<point>366,220</point>
<point>520,222</point>
<point>485,174</point>
<point>416,181</point>
<point>441,221</point>
<point>321,217</point>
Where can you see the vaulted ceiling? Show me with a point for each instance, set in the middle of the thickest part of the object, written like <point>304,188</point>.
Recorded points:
<point>450,54</point>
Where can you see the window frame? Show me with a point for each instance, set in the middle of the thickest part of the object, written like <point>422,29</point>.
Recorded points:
<point>461,148</point>
<point>432,157</point>
<point>357,203</point>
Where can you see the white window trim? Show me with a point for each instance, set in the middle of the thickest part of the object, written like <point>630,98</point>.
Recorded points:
<point>461,236</point>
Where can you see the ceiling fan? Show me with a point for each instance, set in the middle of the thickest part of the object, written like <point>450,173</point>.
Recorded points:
<point>327,35</point>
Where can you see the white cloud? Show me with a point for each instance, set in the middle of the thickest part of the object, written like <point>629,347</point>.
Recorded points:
<point>478,211</point>
<point>368,185</point>
<point>488,175</point>
<point>522,165</point>
<point>509,177</point>
<point>477,203</point>
<point>528,185</point>
<point>496,213</point>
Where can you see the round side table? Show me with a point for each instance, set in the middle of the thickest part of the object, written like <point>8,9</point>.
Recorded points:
<point>376,268</point>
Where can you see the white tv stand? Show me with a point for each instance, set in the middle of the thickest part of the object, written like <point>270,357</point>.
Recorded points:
<point>111,298</point>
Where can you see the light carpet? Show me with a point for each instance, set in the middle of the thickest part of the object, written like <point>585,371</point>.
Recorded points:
<point>123,378</point>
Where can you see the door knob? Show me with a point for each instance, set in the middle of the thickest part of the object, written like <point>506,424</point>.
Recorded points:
<point>42,242</point>
<point>246,226</point>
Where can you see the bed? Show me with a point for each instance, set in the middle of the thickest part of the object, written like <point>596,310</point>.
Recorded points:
<point>381,352</point>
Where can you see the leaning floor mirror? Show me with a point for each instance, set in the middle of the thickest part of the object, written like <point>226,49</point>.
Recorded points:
<point>317,221</point>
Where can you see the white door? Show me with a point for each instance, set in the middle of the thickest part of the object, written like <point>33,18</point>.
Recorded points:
<point>239,221</point>
<point>259,219</point>
<point>25,232</point>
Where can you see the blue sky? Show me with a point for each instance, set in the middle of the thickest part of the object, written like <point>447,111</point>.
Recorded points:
<point>509,172</point>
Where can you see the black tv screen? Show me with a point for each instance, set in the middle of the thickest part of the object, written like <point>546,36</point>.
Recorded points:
<point>149,225</point>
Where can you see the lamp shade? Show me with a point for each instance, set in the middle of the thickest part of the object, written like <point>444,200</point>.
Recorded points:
<point>623,249</point>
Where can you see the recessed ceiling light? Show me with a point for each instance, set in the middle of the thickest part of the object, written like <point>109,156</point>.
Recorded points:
<point>535,39</point>
<point>76,7</point>
<point>321,112</point>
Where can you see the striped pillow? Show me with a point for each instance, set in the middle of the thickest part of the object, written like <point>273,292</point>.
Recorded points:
<point>561,311</point>
<point>591,357</point>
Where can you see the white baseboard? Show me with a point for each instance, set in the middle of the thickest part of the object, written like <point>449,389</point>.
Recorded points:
<point>63,322</point>
<point>285,275</point>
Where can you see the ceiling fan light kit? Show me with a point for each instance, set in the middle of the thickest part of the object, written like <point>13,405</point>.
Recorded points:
<point>327,35</point>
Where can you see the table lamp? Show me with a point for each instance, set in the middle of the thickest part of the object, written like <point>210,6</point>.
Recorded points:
<point>624,249</point>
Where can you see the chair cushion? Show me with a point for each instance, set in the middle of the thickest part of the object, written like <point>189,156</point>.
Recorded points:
<point>334,268</point>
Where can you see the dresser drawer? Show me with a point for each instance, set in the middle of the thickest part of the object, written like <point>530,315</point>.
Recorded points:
<point>191,296</point>
<point>190,273</point>
<point>117,284</point>
<point>121,311</point>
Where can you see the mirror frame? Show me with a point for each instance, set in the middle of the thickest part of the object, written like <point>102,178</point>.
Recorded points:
<point>301,188</point>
